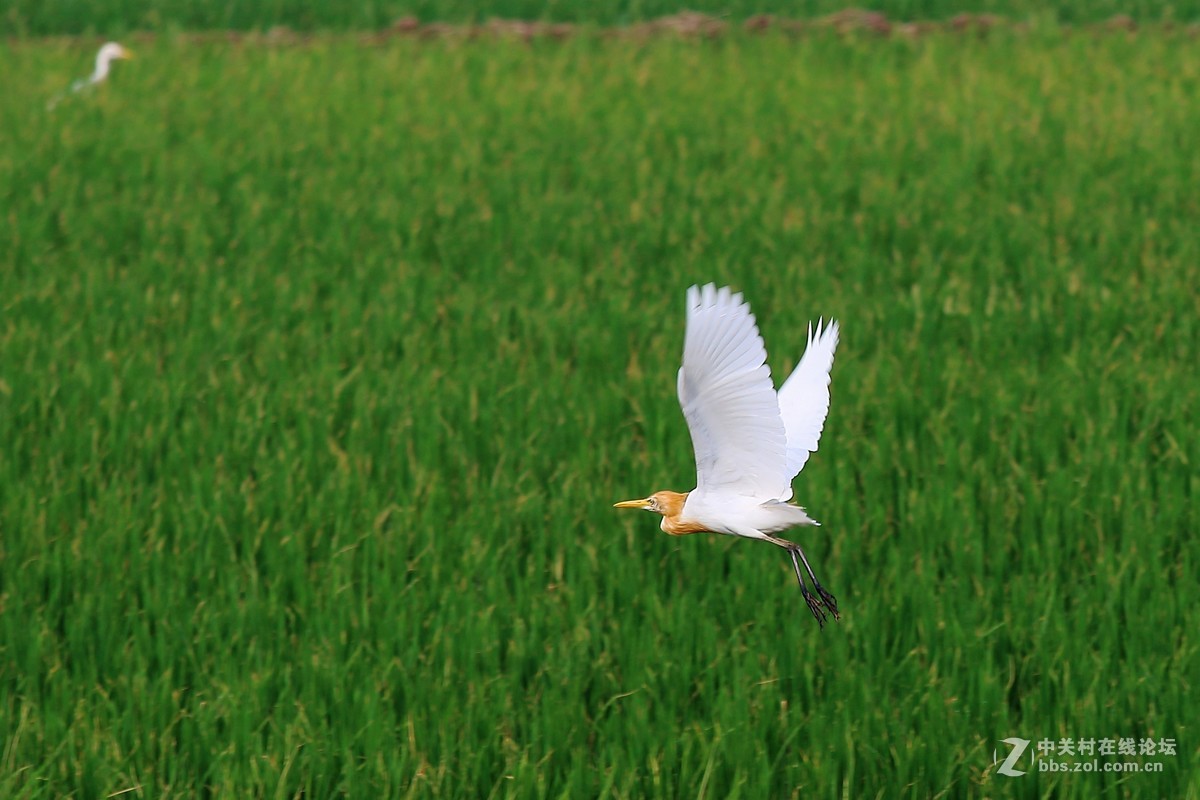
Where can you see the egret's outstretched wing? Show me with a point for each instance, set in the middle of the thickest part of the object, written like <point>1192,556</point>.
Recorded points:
<point>804,397</point>
<point>728,399</point>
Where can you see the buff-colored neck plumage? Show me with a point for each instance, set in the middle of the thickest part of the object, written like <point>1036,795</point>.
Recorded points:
<point>670,505</point>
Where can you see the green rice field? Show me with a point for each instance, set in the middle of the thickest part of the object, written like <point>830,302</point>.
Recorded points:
<point>322,365</point>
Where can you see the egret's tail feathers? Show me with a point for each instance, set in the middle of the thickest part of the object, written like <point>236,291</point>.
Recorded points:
<point>789,516</point>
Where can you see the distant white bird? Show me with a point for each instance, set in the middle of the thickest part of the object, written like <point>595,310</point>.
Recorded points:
<point>750,442</point>
<point>109,53</point>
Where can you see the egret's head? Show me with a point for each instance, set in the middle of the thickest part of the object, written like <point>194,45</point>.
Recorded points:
<point>112,51</point>
<point>669,504</point>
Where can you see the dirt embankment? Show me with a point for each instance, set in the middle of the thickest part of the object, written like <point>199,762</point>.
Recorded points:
<point>692,25</point>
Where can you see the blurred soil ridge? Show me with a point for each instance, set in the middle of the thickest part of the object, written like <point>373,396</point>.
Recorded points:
<point>687,25</point>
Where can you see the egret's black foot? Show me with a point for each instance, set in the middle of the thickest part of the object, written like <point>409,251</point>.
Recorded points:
<point>829,600</point>
<point>814,605</point>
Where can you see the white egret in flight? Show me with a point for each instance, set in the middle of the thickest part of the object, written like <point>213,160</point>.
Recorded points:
<point>109,53</point>
<point>749,440</point>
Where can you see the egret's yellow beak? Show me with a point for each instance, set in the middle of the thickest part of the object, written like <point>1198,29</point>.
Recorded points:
<point>127,53</point>
<point>632,504</point>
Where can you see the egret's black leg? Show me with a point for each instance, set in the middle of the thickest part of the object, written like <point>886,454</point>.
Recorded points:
<point>827,598</point>
<point>813,604</point>
<point>819,599</point>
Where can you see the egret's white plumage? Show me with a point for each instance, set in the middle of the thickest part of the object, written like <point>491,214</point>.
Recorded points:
<point>750,441</point>
<point>804,398</point>
<point>110,52</point>
<point>728,400</point>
